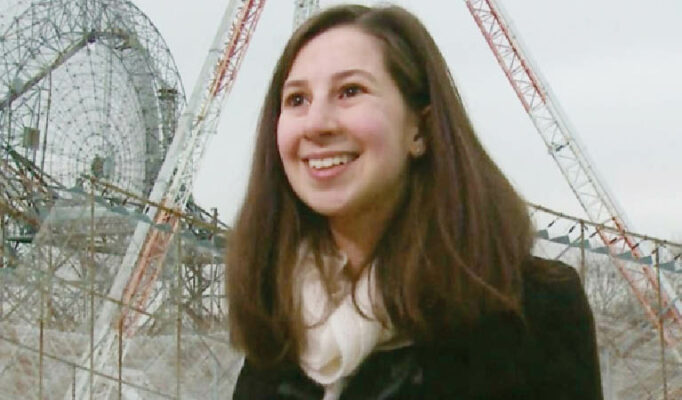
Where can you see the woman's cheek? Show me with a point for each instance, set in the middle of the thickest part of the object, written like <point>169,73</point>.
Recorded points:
<point>285,140</point>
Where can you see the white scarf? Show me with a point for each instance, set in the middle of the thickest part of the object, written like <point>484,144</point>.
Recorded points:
<point>335,346</point>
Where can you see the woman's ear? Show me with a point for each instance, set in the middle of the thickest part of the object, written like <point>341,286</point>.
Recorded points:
<point>418,144</point>
<point>417,147</point>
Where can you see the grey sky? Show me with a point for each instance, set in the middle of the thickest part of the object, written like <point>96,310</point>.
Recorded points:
<point>613,65</point>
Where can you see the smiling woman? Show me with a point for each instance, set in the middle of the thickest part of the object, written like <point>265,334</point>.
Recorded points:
<point>345,137</point>
<point>380,253</point>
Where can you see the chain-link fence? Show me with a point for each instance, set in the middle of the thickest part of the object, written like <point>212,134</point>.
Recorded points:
<point>54,298</point>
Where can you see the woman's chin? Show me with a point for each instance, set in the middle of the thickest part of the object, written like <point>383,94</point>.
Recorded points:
<point>328,208</point>
<point>329,211</point>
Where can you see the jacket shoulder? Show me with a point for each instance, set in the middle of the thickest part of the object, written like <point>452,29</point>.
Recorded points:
<point>552,291</point>
<point>284,382</point>
<point>560,321</point>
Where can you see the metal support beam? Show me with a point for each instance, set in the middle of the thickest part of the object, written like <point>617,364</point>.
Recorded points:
<point>573,162</point>
<point>303,10</point>
<point>148,248</point>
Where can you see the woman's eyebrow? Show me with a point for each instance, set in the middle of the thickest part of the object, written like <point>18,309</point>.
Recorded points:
<point>355,71</point>
<point>337,76</point>
<point>294,83</point>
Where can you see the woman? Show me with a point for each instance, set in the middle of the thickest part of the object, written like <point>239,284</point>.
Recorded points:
<point>380,253</point>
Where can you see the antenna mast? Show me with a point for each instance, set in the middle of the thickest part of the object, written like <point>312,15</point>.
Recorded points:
<point>564,147</point>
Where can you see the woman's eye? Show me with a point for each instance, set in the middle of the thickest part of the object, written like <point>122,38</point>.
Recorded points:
<point>351,90</point>
<point>294,100</point>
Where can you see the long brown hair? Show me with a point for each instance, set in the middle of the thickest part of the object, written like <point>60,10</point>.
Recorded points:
<point>457,241</point>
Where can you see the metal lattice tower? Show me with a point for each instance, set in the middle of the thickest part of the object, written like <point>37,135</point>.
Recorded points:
<point>578,170</point>
<point>134,282</point>
<point>113,285</point>
<point>304,9</point>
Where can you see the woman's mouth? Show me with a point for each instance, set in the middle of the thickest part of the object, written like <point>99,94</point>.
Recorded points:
<point>329,166</point>
<point>329,162</point>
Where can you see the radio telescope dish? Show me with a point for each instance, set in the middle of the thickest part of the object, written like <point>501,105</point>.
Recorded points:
<point>87,88</point>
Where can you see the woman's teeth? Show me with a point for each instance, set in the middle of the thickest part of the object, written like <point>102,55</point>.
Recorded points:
<point>320,163</point>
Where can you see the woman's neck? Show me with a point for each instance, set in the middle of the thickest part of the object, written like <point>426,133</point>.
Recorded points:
<point>356,236</point>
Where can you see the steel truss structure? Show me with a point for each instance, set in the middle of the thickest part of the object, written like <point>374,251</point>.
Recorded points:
<point>50,298</point>
<point>111,278</point>
<point>135,281</point>
<point>304,9</point>
<point>47,310</point>
<point>85,88</point>
<point>636,361</point>
<point>571,158</point>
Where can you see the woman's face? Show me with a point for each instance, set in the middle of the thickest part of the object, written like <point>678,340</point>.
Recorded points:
<point>344,132</point>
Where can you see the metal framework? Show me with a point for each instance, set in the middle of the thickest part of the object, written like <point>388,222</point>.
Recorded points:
<point>47,315</point>
<point>564,147</point>
<point>635,361</point>
<point>135,279</point>
<point>70,73</point>
<point>120,274</point>
<point>84,90</point>
<point>303,9</point>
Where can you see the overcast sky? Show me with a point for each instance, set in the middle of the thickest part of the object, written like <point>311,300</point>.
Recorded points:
<point>614,66</point>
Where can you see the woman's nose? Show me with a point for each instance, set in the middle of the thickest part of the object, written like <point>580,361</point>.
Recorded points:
<point>321,120</point>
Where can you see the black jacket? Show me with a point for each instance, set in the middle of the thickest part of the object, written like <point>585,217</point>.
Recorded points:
<point>550,355</point>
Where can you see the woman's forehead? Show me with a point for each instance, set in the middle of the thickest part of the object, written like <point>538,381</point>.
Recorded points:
<point>343,48</point>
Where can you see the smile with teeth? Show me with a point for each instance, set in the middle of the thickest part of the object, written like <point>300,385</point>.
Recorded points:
<point>328,162</point>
